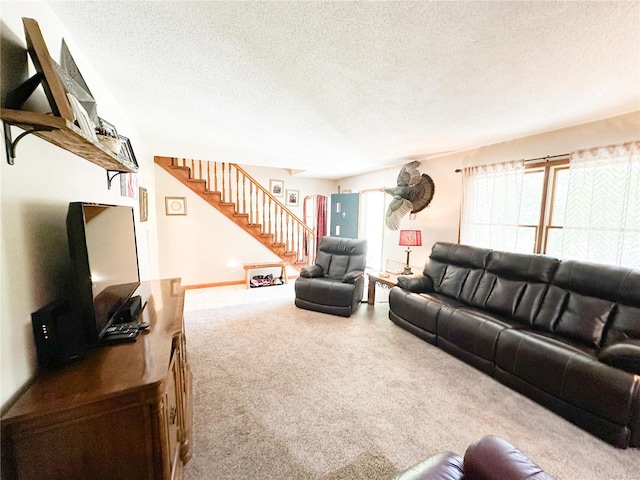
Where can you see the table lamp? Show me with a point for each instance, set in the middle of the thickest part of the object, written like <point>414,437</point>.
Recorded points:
<point>410,238</point>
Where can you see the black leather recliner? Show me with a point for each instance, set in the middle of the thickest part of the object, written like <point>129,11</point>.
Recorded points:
<point>490,458</point>
<point>335,283</point>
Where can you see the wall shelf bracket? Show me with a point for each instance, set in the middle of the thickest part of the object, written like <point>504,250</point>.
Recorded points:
<point>10,144</point>
<point>110,178</point>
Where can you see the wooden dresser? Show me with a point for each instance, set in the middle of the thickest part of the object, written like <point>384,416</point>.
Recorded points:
<point>122,412</point>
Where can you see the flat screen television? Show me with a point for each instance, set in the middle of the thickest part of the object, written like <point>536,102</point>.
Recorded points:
<point>104,256</point>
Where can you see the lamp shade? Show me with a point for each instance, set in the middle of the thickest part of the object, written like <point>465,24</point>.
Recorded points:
<point>410,238</point>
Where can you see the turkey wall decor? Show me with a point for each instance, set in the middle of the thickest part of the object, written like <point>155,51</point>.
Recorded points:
<point>413,193</point>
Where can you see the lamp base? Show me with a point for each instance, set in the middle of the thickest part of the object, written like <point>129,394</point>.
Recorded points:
<point>407,270</point>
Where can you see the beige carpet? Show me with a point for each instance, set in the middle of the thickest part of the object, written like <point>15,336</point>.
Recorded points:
<point>283,393</point>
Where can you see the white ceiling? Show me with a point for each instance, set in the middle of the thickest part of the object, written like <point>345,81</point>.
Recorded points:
<point>338,88</point>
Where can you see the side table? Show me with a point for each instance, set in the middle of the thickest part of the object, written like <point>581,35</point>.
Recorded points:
<point>389,281</point>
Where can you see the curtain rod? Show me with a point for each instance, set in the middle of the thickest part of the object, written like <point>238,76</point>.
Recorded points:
<point>546,159</point>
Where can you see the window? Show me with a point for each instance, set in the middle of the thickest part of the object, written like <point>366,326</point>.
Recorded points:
<point>544,195</point>
<point>586,206</point>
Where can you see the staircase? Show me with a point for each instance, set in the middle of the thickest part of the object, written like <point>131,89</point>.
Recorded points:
<point>232,191</point>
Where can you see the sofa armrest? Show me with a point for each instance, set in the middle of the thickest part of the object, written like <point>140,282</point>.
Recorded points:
<point>493,458</point>
<point>416,284</point>
<point>312,271</point>
<point>352,276</point>
<point>624,355</point>
<point>443,466</point>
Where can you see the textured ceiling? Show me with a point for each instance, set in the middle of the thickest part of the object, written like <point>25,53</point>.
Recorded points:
<point>338,88</point>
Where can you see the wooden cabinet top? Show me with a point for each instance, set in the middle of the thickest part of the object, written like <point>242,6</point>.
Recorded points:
<point>108,371</point>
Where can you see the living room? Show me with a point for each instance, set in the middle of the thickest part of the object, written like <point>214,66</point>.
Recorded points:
<point>37,189</point>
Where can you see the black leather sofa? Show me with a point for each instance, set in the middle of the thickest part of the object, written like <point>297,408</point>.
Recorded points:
<point>490,458</point>
<point>335,283</point>
<point>564,333</point>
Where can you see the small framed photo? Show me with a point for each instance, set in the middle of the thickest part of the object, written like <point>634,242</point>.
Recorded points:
<point>293,198</point>
<point>144,205</point>
<point>126,153</point>
<point>175,205</point>
<point>276,187</point>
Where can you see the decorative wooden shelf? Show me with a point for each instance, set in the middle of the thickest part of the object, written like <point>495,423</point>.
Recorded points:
<point>66,135</point>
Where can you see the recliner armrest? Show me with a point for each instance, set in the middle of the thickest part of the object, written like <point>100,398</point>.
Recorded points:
<point>494,458</point>
<point>312,271</point>
<point>443,466</point>
<point>624,355</point>
<point>416,284</point>
<point>352,276</point>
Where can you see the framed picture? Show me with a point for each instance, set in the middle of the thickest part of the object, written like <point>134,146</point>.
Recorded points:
<point>144,205</point>
<point>293,198</point>
<point>276,187</point>
<point>51,83</point>
<point>175,205</point>
<point>129,185</point>
<point>82,118</point>
<point>126,153</point>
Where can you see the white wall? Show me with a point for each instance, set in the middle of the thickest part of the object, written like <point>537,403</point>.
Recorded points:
<point>35,195</point>
<point>205,247</point>
<point>439,221</point>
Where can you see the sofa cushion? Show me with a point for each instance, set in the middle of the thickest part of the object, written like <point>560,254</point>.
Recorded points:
<point>453,281</point>
<point>570,372</point>
<point>421,310</point>
<point>505,296</point>
<point>471,335</point>
<point>514,284</point>
<point>591,291</point>
<point>452,266</point>
<point>324,291</point>
<point>625,323</point>
<point>584,319</point>
<point>337,256</point>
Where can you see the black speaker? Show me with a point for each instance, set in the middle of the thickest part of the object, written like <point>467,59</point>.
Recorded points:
<point>58,333</point>
<point>130,310</point>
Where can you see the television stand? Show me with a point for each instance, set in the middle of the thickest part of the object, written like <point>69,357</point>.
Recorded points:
<point>123,412</point>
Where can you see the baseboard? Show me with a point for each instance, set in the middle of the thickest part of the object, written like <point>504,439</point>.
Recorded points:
<point>209,285</point>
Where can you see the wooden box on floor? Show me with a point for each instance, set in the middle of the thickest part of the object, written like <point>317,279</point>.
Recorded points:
<point>123,412</point>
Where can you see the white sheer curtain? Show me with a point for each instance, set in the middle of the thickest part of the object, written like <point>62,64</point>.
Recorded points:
<point>602,217</point>
<point>491,206</point>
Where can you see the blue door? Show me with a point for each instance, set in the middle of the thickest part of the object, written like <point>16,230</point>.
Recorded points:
<point>344,215</point>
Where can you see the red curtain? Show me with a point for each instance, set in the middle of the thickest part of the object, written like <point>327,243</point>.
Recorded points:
<point>320,203</point>
<point>321,216</point>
